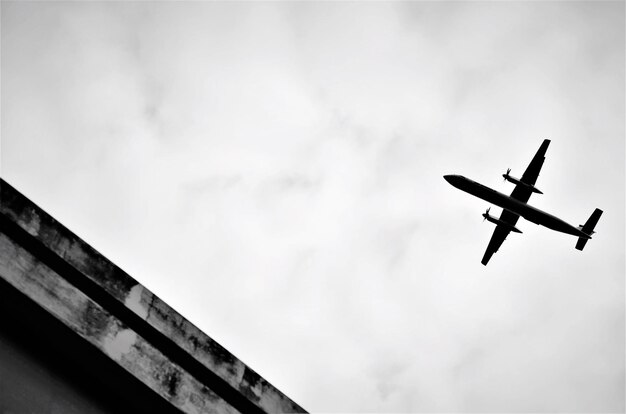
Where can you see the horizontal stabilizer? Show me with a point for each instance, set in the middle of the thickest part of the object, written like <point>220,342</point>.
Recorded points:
<point>588,227</point>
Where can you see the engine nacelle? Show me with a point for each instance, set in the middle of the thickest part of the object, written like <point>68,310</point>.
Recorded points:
<point>499,222</point>
<point>517,181</point>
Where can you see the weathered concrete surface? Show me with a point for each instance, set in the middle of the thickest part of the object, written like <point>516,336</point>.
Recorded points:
<point>22,270</point>
<point>108,332</point>
<point>46,367</point>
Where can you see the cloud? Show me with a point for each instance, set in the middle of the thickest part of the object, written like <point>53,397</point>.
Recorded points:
<point>273,171</point>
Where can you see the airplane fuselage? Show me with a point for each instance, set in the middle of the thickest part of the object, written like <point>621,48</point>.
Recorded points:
<point>525,210</point>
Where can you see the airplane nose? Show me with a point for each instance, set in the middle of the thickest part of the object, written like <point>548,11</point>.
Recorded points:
<point>454,179</point>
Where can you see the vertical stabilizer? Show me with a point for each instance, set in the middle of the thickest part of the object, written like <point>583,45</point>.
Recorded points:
<point>580,244</point>
<point>588,228</point>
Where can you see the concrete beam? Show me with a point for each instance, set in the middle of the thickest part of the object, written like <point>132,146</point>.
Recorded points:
<point>134,327</point>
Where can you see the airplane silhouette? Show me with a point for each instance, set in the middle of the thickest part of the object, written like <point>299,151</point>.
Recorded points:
<point>516,205</point>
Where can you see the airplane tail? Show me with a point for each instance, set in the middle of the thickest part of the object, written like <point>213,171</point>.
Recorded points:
<point>588,227</point>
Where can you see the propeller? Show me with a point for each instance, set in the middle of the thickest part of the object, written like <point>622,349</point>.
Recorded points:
<point>507,173</point>
<point>486,214</point>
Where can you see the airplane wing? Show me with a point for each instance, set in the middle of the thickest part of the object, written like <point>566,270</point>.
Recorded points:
<point>499,235</point>
<point>522,193</point>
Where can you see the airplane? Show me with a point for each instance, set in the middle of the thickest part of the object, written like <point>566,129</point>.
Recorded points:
<point>516,206</point>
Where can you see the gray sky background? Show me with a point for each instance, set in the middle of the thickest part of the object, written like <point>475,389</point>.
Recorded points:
<point>274,172</point>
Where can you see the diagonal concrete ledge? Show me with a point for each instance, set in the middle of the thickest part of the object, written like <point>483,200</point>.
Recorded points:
<point>66,276</point>
<point>106,332</point>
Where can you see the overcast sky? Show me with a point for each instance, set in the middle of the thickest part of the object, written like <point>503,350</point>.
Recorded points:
<point>273,171</point>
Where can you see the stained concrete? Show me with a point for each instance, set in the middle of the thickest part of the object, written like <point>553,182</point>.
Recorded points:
<point>111,311</point>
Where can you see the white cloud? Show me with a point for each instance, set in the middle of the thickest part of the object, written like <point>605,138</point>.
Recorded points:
<point>274,172</point>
